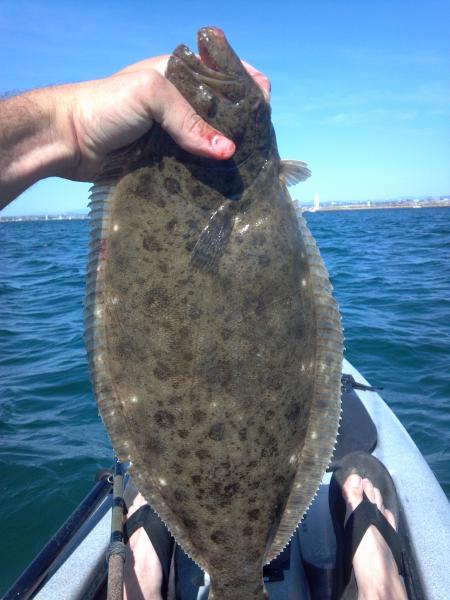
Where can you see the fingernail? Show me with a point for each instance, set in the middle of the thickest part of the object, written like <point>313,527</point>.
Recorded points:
<point>222,146</point>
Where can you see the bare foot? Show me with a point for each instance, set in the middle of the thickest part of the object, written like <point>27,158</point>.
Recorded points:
<point>143,574</point>
<point>374,565</point>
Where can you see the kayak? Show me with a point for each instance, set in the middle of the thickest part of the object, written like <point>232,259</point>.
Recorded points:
<point>72,565</point>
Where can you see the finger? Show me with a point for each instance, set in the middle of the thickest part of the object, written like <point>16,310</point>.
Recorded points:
<point>260,79</point>
<point>167,106</point>
<point>159,63</point>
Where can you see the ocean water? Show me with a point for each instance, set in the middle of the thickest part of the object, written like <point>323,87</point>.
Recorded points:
<point>391,274</point>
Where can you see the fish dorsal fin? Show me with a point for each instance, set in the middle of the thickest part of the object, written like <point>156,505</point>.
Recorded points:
<point>326,407</point>
<point>293,171</point>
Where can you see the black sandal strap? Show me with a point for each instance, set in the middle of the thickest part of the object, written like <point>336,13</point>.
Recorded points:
<point>362,517</point>
<point>159,536</point>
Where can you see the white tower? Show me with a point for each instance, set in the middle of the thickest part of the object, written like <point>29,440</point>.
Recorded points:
<point>316,201</point>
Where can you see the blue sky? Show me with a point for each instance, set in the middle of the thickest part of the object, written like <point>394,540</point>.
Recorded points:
<point>360,90</point>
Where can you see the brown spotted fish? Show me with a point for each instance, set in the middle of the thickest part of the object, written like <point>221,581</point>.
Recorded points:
<point>214,343</point>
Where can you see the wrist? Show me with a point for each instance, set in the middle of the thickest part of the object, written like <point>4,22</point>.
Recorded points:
<point>36,140</point>
<point>56,150</point>
<point>65,148</point>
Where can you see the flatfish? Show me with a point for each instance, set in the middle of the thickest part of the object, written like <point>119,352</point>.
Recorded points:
<point>214,343</point>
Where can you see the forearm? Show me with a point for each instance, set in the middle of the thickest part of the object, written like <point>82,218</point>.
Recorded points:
<point>70,130</point>
<point>34,140</point>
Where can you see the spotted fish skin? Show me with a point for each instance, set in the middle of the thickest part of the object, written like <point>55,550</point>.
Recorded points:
<point>214,343</point>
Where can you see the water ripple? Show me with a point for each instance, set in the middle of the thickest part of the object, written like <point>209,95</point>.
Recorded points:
<point>391,274</point>
<point>391,277</point>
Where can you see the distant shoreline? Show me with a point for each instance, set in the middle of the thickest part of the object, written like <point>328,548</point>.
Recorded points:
<point>27,218</point>
<point>378,206</point>
<point>324,208</point>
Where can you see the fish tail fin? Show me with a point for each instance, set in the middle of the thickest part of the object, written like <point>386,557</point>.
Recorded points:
<point>251,588</point>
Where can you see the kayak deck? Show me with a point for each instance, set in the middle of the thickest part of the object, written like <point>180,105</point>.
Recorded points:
<point>304,570</point>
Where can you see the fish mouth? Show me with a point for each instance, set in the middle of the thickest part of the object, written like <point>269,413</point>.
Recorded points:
<point>210,41</point>
<point>221,91</point>
<point>216,64</point>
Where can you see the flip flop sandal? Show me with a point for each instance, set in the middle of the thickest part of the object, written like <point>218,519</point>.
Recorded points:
<point>349,537</point>
<point>159,536</point>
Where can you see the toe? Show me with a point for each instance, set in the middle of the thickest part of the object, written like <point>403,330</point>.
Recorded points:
<point>374,495</point>
<point>390,518</point>
<point>378,499</point>
<point>352,489</point>
<point>138,501</point>
<point>369,489</point>
<point>352,493</point>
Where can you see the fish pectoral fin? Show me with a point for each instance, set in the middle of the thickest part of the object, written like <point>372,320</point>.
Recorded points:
<point>213,239</point>
<point>293,171</point>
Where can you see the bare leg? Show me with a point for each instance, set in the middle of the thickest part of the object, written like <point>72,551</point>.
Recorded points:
<point>374,566</point>
<point>142,572</point>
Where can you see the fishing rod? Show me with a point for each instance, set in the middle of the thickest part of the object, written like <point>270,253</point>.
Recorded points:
<point>116,550</point>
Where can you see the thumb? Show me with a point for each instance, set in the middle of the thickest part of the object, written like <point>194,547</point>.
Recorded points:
<point>182,123</point>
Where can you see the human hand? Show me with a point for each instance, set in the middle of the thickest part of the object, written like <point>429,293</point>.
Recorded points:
<point>68,130</point>
<point>110,113</point>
